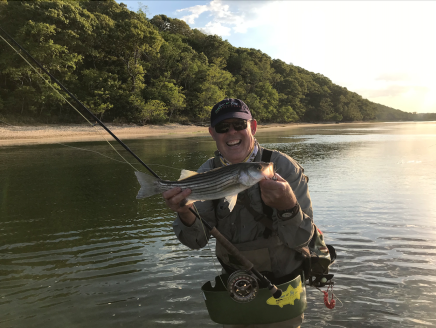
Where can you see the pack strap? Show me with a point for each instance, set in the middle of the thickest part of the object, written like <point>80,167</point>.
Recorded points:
<point>216,160</point>
<point>267,210</point>
<point>266,155</point>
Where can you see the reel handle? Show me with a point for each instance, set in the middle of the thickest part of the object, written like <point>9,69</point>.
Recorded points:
<point>275,292</point>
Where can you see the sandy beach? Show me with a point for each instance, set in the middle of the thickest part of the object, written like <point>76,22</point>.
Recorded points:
<point>46,134</point>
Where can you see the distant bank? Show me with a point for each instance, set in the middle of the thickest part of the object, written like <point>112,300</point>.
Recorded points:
<point>46,134</point>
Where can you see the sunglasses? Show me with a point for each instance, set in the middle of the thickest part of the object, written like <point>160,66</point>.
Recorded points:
<point>224,127</point>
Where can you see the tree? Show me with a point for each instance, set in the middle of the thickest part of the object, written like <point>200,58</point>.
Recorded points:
<point>154,110</point>
<point>215,49</point>
<point>171,25</point>
<point>128,67</point>
<point>126,47</point>
<point>169,93</point>
<point>286,114</point>
<point>132,40</point>
<point>51,32</point>
<point>99,90</point>
<point>291,87</point>
<point>263,102</point>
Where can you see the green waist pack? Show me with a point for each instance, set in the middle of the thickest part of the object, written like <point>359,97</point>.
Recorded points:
<point>263,309</point>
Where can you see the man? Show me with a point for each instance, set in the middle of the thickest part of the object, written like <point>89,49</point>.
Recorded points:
<point>270,223</point>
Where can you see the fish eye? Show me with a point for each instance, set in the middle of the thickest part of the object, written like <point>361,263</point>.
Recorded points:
<point>259,167</point>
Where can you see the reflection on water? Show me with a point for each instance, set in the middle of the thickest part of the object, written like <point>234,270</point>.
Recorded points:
<point>77,248</point>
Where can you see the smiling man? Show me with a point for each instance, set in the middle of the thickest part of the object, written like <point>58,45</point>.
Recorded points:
<point>233,130</point>
<point>271,221</point>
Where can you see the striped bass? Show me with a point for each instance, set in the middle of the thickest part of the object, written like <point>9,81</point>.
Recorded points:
<point>224,182</point>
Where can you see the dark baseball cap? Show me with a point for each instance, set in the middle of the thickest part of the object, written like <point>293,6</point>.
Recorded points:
<point>229,108</point>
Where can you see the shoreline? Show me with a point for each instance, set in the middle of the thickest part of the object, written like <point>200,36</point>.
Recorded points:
<point>48,134</point>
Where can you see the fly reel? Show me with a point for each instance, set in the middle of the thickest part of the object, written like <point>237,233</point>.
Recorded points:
<point>242,286</point>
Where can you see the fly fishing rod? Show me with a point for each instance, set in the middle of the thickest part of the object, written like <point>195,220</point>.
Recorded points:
<point>79,102</point>
<point>248,266</point>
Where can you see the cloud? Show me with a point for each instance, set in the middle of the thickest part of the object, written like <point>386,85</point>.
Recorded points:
<point>389,60</point>
<point>225,20</point>
<point>216,28</point>
<point>196,11</point>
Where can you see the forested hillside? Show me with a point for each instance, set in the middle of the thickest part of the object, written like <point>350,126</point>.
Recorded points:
<point>127,67</point>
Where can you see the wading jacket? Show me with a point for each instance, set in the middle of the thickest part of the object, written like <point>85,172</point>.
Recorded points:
<point>276,253</point>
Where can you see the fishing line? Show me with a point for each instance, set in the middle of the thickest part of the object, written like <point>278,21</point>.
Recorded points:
<point>73,97</point>
<point>84,149</point>
<point>342,304</point>
<point>98,121</point>
<point>108,157</point>
<point>83,106</point>
<point>113,159</point>
<point>93,151</point>
<point>66,100</point>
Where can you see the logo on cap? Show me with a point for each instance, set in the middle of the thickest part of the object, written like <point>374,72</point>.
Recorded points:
<point>227,104</point>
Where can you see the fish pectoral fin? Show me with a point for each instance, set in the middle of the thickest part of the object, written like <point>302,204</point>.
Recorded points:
<point>186,174</point>
<point>187,202</point>
<point>232,201</point>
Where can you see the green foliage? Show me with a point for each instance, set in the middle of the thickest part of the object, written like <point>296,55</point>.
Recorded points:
<point>286,114</point>
<point>98,89</point>
<point>385,113</point>
<point>263,102</point>
<point>171,25</point>
<point>129,68</point>
<point>425,117</point>
<point>215,49</point>
<point>153,111</point>
<point>168,92</point>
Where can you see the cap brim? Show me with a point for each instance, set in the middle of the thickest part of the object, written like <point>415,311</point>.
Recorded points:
<point>244,116</point>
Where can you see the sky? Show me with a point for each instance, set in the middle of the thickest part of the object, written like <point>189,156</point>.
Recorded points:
<point>383,50</point>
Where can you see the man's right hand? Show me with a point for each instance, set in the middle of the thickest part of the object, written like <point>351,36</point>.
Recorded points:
<point>176,199</point>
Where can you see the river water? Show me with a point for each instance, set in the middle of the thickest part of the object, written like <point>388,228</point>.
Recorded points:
<point>78,250</point>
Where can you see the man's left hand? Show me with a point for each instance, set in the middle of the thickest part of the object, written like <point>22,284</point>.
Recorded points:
<point>277,193</point>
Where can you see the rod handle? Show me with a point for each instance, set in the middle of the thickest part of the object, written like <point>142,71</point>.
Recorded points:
<point>246,264</point>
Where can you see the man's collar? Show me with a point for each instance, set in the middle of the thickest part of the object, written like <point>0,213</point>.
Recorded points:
<point>250,158</point>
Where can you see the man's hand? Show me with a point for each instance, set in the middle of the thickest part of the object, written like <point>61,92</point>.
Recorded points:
<point>277,193</point>
<point>176,199</point>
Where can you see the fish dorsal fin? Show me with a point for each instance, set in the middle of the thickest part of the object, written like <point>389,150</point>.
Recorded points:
<point>186,174</point>
<point>232,201</point>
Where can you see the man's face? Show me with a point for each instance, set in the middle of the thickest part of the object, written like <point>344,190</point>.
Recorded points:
<point>235,145</point>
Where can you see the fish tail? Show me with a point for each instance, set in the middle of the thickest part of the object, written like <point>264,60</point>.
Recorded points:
<point>148,185</point>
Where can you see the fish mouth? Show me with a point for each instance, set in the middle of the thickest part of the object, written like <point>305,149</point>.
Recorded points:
<point>233,143</point>
<point>268,170</point>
